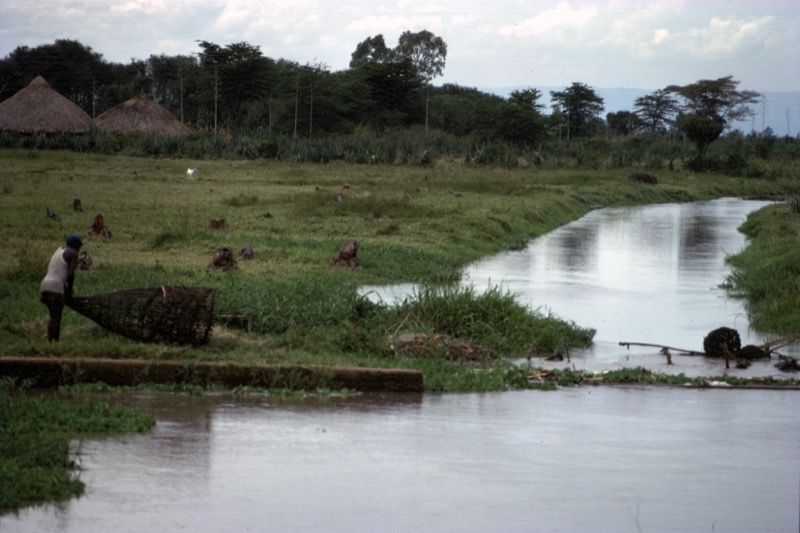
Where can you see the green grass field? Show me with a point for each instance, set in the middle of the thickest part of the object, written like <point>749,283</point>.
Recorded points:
<point>417,224</point>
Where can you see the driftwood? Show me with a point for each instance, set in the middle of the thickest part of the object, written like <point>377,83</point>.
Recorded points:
<point>429,345</point>
<point>743,356</point>
<point>665,350</point>
<point>663,347</point>
<point>779,343</point>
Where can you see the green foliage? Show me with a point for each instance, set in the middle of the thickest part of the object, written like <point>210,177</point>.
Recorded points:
<point>794,203</point>
<point>36,459</point>
<point>241,200</point>
<point>580,107</point>
<point>493,319</point>
<point>701,130</point>
<point>31,263</point>
<point>767,272</point>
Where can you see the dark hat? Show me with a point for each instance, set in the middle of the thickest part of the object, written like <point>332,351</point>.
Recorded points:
<point>74,241</point>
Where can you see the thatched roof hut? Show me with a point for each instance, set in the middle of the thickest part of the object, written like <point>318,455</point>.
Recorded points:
<point>39,107</point>
<point>140,113</point>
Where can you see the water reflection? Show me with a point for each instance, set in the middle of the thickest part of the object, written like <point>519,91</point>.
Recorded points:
<point>646,274</point>
<point>588,459</point>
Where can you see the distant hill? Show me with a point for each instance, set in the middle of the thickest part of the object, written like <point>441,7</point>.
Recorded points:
<point>772,114</point>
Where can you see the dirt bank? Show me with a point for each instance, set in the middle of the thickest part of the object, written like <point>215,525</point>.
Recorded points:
<point>53,372</point>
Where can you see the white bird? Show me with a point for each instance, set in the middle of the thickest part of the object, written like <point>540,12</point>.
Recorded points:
<point>191,172</point>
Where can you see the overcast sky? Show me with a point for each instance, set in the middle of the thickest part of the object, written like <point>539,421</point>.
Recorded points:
<point>491,44</point>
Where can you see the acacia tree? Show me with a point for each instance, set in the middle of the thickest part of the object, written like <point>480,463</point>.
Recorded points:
<point>656,110</point>
<point>581,106</point>
<point>708,106</point>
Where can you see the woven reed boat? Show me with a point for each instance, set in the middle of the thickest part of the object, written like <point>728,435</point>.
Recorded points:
<point>163,314</point>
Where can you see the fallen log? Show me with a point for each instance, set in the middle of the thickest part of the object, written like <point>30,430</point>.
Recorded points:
<point>663,348</point>
<point>779,343</point>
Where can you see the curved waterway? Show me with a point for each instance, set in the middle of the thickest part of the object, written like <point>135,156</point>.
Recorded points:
<point>584,459</point>
<point>648,274</point>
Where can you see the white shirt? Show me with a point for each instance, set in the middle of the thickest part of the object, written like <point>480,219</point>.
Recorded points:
<point>57,273</point>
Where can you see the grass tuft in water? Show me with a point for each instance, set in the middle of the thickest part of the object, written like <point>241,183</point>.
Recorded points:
<point>36,459</point>
<point>493,319</point>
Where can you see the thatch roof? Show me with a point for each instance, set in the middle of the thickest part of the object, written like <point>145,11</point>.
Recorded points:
<point>39,107</point>
<point>140,113</point>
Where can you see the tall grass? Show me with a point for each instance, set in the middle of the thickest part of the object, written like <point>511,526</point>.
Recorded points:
<point>493,319</point>
<point>413,147</point>
<point>767,272</point>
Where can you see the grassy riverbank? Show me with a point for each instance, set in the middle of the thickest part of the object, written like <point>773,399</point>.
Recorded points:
<point>418,224</point>
<point>767,272</point>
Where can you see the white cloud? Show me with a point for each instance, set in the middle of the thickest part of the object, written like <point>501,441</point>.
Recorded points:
<point>559,19</point>
<point>726,37</point>
<point>149,7</point>
<point>660,35</point>
<point>603,43</point>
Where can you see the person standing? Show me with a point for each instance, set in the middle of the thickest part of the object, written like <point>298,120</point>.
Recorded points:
<point>56,287</point>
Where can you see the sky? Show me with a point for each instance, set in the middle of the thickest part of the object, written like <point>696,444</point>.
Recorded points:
<point>490,44</point>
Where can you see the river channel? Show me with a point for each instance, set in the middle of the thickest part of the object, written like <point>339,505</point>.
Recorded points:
<point>598,459</point>
<point>648,275</point>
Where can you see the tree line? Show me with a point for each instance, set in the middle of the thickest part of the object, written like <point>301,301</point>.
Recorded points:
<point>237,89</point>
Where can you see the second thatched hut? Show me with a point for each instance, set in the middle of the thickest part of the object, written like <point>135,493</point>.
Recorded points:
<point>40,108</point>
<point>140,114</point>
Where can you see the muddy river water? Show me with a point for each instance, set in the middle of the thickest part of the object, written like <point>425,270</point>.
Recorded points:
<point>584,459</point>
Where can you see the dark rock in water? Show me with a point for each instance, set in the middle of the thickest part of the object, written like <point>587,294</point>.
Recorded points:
<point>751,352</point>
<point>788,364</point>
<point>716,341</point>
<point>643,177</point>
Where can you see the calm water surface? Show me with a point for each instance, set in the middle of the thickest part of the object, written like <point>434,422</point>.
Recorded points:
<point>588,459</point>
